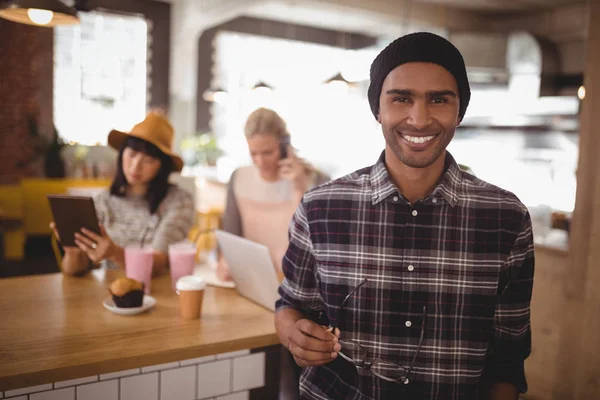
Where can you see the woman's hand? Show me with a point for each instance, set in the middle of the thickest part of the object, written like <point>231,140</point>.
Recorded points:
<point>96,247</point>
<point>223,273</point>
<point>295,170</point>
<point>68,249</point>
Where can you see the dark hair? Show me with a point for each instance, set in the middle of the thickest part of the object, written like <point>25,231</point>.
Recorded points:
<point>158,187</point>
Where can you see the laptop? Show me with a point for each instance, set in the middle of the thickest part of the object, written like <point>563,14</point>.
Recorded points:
<point>251,268</point>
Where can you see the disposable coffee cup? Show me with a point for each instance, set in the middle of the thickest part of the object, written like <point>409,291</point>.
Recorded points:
<point>191,293</point>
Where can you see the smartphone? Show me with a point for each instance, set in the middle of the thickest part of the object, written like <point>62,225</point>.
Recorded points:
<point>283,146</point>
<point>71,213</point>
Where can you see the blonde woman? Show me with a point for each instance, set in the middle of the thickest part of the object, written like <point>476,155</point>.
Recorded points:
<point>262,197</point>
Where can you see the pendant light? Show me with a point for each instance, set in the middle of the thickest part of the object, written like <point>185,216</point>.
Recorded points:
<point>47,13</point>
<point>262,86</point>
<point>338,84</point>
<point>338,78</point>
<point>217,95</point>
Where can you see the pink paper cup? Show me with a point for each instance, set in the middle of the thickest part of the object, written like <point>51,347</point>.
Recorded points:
<point>182,259</point>
<point>138,265</point>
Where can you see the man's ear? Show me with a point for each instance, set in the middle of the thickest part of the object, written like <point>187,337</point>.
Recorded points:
<point>378,118</point>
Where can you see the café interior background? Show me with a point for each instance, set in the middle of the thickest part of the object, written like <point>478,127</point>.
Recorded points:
<point>209,63</point>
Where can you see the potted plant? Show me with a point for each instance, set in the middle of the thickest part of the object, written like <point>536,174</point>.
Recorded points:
<point>54,165</point>
<point>50,149</point>
<point>201,149</point>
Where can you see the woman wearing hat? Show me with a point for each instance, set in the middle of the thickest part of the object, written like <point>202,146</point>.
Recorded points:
<point>140,205</point>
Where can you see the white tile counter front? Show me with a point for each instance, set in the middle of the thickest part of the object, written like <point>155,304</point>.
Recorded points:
<point>227,376</point>
<point>86,352</point>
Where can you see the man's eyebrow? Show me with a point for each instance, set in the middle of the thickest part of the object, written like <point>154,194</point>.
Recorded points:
<point>403,92</point>
<point>440,93</point>
<point>410,92</point>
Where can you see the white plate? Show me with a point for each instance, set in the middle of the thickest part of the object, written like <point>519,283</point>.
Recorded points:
<point>148,303</point>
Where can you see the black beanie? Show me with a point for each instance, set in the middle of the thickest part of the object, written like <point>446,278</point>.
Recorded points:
<point>419,47</point>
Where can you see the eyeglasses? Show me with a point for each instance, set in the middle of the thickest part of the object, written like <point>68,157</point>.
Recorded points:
<point>383,369</point>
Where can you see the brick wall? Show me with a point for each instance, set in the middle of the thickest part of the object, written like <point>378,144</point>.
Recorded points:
<point>20,69</point>
<point>26,81</point>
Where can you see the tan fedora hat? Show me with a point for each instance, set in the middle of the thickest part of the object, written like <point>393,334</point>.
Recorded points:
<point>155,129</point>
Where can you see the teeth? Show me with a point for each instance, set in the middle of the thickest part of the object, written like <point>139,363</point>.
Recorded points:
<point>415,139</point>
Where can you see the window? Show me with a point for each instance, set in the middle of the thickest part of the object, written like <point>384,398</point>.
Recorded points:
<point>100,77</point>
<point>333,128</point>
<point>336,131</point>
<point>539,167</point>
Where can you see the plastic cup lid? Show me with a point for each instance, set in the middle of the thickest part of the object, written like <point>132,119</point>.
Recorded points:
<point>190,282</point>
<point>184,244</point>
<point>138,249</point>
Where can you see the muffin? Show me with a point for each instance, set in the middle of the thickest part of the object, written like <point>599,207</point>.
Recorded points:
<point>127,292</point>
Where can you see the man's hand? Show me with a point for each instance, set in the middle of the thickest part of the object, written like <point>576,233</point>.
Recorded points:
<point>504,391</point>
<point>312,344</point>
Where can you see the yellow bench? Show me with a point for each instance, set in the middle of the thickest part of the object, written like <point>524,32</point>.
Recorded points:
<point>28,202</point>
<point>11,205</point>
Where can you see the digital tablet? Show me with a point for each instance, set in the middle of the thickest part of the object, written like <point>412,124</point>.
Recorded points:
<point>71,213</point>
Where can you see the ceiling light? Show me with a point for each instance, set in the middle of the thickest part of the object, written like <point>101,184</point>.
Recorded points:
<point>46,13</point>
<point>217,95</point>
<point>40,17</point>
<point>581,92</point>
<point>262,86</point>
<point>337,78</point>
<point>338,84</point>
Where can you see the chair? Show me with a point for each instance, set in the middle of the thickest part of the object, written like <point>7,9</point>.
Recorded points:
<point>205,223</point>
<point>56,251</point>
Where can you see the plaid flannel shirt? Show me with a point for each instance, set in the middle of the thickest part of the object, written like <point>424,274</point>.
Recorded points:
<point>465,252</point>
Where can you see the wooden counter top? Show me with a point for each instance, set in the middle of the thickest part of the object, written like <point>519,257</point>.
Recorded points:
<point>54,328</point>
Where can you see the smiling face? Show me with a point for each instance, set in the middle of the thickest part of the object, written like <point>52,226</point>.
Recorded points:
<point>418,112</point>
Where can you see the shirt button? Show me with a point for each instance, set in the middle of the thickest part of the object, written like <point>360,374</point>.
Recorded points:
<point>395,198</point>
<point>434,200</point>
<point>414,213</point>
<point>411,268</point>
<point>408,324</point>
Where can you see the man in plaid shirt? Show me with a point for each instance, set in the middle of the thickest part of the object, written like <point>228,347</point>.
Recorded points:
<point>410,279</point>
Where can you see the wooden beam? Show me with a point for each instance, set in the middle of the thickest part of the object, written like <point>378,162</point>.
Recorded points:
<point>560,24</point>
<point>266,28</point>
<point>578,366</point>
<point>421,13</point>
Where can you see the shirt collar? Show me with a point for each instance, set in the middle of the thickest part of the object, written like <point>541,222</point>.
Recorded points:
<point>447,189</point>
<point>381,183</point>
